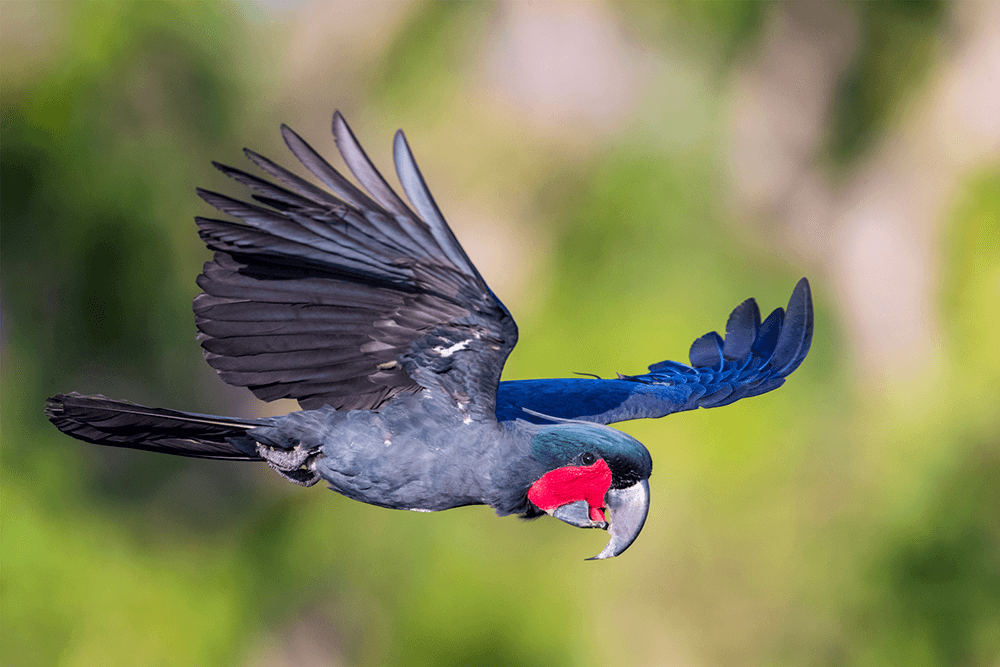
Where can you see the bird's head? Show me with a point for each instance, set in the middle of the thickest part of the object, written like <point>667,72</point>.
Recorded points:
<point>592,469</point>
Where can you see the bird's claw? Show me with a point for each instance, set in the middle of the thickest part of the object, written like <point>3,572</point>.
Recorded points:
<point>289,464</point>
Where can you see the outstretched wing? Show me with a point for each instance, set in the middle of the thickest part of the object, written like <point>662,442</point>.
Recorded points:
<point>754,358</point>
<point>346,298</point>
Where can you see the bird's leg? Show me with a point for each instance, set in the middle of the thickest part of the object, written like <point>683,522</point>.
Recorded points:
<point>289,463</point>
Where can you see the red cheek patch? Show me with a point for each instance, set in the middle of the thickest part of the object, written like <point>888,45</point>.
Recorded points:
<point>572,483</point>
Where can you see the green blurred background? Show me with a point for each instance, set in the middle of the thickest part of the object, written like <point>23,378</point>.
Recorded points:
<point>624,175</point>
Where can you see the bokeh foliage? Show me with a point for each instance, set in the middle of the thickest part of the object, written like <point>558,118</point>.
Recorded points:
<point>825,524</point>
<point>898,40</point>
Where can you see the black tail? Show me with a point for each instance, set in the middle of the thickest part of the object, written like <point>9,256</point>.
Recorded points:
<point>121,424</point>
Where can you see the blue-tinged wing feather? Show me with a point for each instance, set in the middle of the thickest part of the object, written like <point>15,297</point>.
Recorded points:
<point>741,330</point>
<point>796,334</point>
<point>753,359</point>
<point>707,351</point>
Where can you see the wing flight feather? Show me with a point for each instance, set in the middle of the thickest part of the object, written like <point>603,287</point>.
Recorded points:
<point>346,298</point>
<point>753,359</point>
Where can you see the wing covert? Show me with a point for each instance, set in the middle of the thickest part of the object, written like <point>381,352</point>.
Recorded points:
<point>754,358</point>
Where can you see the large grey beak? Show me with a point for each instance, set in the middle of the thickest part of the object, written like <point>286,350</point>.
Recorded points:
<point>629,508</point>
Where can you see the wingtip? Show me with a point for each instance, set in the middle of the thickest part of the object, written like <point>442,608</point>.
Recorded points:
<point>293,141</point>
<point>225,169</point>
<point>741,330</point>
<point>802,294</point>
<point>288,134</point>
<point>259,160</point>
<point>801,301</point>
<point>405,163</point>
<point>211,197</point>
<point>55,406</point>
<point>342,133</point>
<point>364,169</point>
<point>796,333</point>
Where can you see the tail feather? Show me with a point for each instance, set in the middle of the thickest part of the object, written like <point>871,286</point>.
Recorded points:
<point>104,421</point>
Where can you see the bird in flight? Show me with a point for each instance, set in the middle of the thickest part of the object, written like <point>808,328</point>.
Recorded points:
<point>368,312</point>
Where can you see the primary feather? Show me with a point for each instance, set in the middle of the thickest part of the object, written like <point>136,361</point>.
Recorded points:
<point>754,358</point>
<point>364,295</point>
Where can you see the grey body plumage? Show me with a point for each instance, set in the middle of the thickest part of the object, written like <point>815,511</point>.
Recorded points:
<point>403,455</point>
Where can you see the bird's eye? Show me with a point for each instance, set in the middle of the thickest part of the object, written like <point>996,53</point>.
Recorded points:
<point>588,459</point>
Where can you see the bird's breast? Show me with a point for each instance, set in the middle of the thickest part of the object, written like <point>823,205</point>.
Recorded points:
<point>409,459</point>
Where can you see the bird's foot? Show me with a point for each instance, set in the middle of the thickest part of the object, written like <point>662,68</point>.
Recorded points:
<point>290,464</point>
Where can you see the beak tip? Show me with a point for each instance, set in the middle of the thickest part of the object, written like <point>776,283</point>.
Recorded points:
<point>629,508</point>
